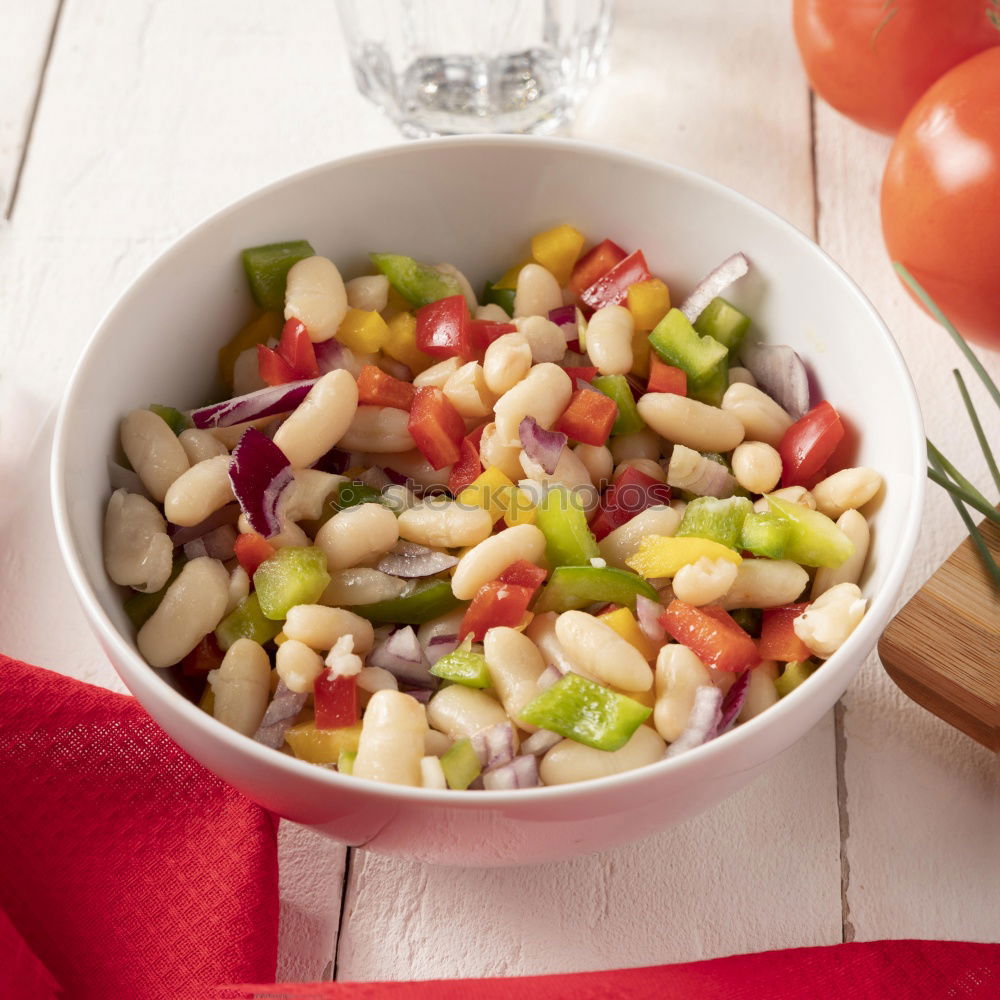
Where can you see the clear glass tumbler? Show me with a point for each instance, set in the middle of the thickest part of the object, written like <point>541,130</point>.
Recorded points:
<point>441,67</point>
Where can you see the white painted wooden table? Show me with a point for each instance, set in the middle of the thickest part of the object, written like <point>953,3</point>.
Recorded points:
<point>122,124</point>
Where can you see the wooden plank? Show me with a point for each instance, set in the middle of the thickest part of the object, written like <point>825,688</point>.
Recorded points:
<point>923,800</point>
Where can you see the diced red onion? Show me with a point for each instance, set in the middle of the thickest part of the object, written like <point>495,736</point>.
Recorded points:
<point>541,446</point>
<point>254,405</point>
<point>125,479</point>
<point>395,368</point>
<point>335,461</point>
<point>375,478</point>
<point>495,745</point>
<point>260,473</point>
<point>411,560</point>
<point>331,355</point>
<point>780,373</point>
<point>521,772</point>
<point>549,676</point>
<point>219,542</point>
<point>702,722</point>
<point>582,383</point>
<point>224,515</point>
<point>687,470</point>
<point>732,702</point>
<point>715,283</point>
<point>647,613</point>
<point>195,549</point>
<point>540,742</point>
<point>563,314</point>
<point>280,715</point>
<point>440,645</point>
<point>402,656</point>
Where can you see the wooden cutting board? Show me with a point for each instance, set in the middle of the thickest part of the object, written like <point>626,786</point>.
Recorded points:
<point>943,648</point>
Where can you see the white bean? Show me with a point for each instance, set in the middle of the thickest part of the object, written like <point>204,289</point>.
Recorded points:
<point>230,436</point>
<point>437,375</point>
<point>766,583</point>
<point>392,739</point>
<point>463,284</point>
<point>436,743</point>
<point>704,581</point>
<point>369,292</point>
<point>756,466</point>
<point>602,652</point>
<point>569,471</point>
<point>848,489</point>
<point>432,774</point>
<point>761,692</point>
<point>490,557</point>
<point>569,761</point>
<point>460,712</point>
<point>640,444</point>
<point>515,664</point>
<point>492,313</point>
<point>378,429</point>
<point>543,394</point>
<point>298,665</point>
<point>413,465</point>
<point>468,392</point>
<point>246,373</point>
<point>494,452</point>
<point>542,632</point>
<point>623,542</point>
<point>446,625</point>
<point>398,497</point>
<point>315,295</point>
<point>201,490</point>
<point>596,460</point>
<point>138,552</point>
<point>826,624</point>
<point>854,525</point>
<point>507,361</point>
<point>242,686</point>
<point>545,340</point>
<point>609,340</point>
<point>305,498</point>
<point>361,585</point>
<point>744,375</point>
<point>691,423</point>
<point>239,588</point>
<point>762,418</point>
<point>319,422</point>
<point>372,679</point>
<point>679,674</point>
<point>153,450</point>
<point>537,291</point>
<point>358,534</point>
<point>320,627</point>
<point>199,445</point>
<point>191,608</point>
<point>442,523</point>
<point>644,465</point>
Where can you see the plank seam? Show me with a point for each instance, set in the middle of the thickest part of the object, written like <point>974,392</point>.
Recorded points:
<point>847,931</point>
<point>345,885</point>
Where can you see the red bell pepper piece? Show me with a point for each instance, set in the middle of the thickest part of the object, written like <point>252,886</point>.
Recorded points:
<point>524,574</point>
<point>778,640</point>
<point>495,604</point>
<point>666,378</point>
<point>297,349</point>
<point>587,372</point>
<point>611,289</point>
<point>589,417</point>
<point>466,469</point>
<point>482,333</point>
<point>251,550</point>
<point>436,426</point>
<point>808,444</point>
<point>595,264</point>
<point>204,657</point>
<point>273,368</point>
<point>631,494</point>
<point>711,635</point>
<point>378,388</point>
<point>443,328</point>
<point>336,701</point>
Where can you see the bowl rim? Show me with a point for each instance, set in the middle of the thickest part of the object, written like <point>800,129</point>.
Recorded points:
<point>139,677</point>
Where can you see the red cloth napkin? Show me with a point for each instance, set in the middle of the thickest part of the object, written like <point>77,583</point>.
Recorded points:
<point>128,871</point>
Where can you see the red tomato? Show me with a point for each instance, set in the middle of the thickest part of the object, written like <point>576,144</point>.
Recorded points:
<point>872,59</point>
<point>631,494</point>
<point>251,550</point>
<point>436,427</point>
<point>444,328</point>
<point>808,444</point>
<point>336,700</point>
<point>377,388</point>
<point>612,287</point>
<point>941,196</point>
<point>589,417</point>
<point>495,604</point>
<point>712,635</point>
<point>466,470</point>
<point>297,349</point>
<point>273,368</point>
<point>594,264</point>
<point>523,574</point>
<point>778,640</point>
<point>666,378</point>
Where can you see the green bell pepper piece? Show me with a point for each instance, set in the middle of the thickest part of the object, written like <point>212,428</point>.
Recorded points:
<point>814,540</point>
<point>345,762</point>
<point>677,343</point>
<point>418,283</point>
<point>293,575</point>
<point>140,607</point>
<point>560,518</point>
<point>463,666</point>
<point>427,600</point>
<point>175,420</point>
<point>502,297</point>
<point>461,766</point>
<point>765,535</point>
<point>748,619</point>
<point>571,587</point>
<point>793,675</point>
<point>712,389</point>
<point>267,270</point>
<point>355,494</point>
<point>719,520</point>
<point>722,321</point>
<point>616,387</point>
<point>246,621</point>
<point>581,710</point>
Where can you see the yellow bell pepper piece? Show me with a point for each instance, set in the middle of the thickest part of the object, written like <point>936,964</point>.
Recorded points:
<point>489,490</point>
<point>659,555</point>
<point>401,343</point>
<point>207,701</point>
<point>509,280</point>
<point>257,331</point>
<point>322,746</point>
<point>520,508</point>
<point>640,354</point>
<point>623,622</point>
<point>280,638</point>
<point>557,250</point>
<point>648,302</point>
<point>363,331</point>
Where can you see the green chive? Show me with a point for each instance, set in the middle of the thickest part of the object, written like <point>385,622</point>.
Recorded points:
<point>978,428</point>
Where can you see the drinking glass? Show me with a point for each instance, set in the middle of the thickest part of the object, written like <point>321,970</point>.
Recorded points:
<point>442,67</point>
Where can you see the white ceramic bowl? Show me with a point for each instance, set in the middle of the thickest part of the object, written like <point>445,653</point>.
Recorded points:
<point>475,201</point>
